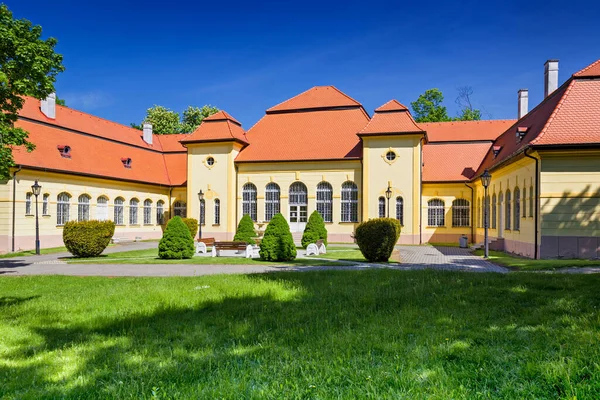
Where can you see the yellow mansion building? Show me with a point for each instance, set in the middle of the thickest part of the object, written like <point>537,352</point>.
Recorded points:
<point>321,150</point>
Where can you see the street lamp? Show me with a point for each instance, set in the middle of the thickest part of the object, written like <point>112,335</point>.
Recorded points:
<point>388,196</point>
<point>36,188</point>
<point>201,198</point>
<point>485,181</point>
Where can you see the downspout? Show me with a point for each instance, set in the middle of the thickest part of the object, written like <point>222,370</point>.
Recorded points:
<point>170,202</point>
<point>536,215</point>
<point>14,205</point>
<point>472,208</point>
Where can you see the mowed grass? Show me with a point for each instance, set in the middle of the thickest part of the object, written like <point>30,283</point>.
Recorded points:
<point>527,264</point>
<point>51,250</point>
<point>328,334</point>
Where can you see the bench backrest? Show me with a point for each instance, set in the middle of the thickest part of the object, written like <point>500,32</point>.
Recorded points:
<point>208,241</point>
<point>231,245</point>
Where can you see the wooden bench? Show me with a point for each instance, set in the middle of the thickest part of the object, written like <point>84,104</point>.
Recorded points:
<point>203,243</point>
<point>316,248</point>
<point>235,246</point>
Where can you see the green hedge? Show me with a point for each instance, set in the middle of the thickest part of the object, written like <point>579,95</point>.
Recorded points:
<point>192,225</point>
<point>376,238</point>
<point>177,242</point>
<point>87,238</point>
<point>245,230</point>
<point>314,230</point>
<point>277,243</point>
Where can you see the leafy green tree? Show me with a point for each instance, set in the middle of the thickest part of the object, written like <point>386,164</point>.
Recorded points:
<point>428,107</point>
<point>177,242</point>
<point>28,66</point>
<point>245,230</point>
<point>193,116</point>
<point>314,230</point>
<point>277,243</point>
<point>165,121</point>
<point>60,102</point>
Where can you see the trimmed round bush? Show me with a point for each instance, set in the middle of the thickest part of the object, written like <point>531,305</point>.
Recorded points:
<point>192,225</point>
<point>177,242</point>
<point>376,238</point>
<point>277,243</point>
<point>315,230</point>
<point>245,231</point>
<point>87,238</point>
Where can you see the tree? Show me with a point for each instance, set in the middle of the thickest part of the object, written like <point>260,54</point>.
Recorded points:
<point>314,230</point>
<point>28,67</point>
<point>60,102</point>
<point>463,100</point>
<point>245,230</point>
<point>277,243</point>
<point>428,107</point>
<point>165,121</point>
<point>193,116</point>
<point>177,242</point>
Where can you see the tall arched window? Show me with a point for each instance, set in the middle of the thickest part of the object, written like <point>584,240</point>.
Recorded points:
<point>62,208</point>
<point>531,201</point>
<point>28,203</point>
<point>160,212</point>
<point>102,208</point>
<point>460,212</point>
<point>217,211</point>
<point>180,209</point>
<point>382,207</point>
<point>349,202</point>
<point>118,211</point>
<point>249,200</point>
<point>325,201</point>
<point>507,210</point>
<point>524,199</point>
<point>486,211</point>
<point>203,212</point>
<point>272,200</point>
<point>147,212</point>
<point>517,219</point>
<point>435,213</point>
<point>400,209</point>
<point>494,212</point>
<point>83,208</point>
<point>45,200</point>
<point>133,211</point>
<point>477,220</point>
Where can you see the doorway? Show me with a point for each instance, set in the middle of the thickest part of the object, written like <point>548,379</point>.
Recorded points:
<point>298,212</point>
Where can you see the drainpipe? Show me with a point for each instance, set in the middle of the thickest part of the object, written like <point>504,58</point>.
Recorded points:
<point>536,212</point>
<point>472,208</point>
<point>14,205</point>
<point>170,203</point>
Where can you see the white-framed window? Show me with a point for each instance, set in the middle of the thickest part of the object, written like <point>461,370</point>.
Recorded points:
<point>83,207</point>
<point>203,212</point>
<point>486,211</point>
<point>524,199</point>
<point>28,203</point>
<point>62,208</point>
<point>45,201</point>
<point>217,211</point>
<point>272,200</point>
<point>381,207</point>
<point>160,212</point>
<point>147,212</point>
<point>118,210</point>
<point>531,201</point>
<point>507,208</point>
<point>102,208</point>
<point>325,201</point>
<point>517,217</point>
<point>461,213</point>
<point>494,212</point>
<point>400,209</point>
<point>349,202</point>
<point>249,200</point>
<point>179,209</point>
<point>436,213</point>
<point>133,211</point>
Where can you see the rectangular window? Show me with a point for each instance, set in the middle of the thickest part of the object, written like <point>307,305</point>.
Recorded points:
<point>217,211</point>
<point>45,204</point>
<point>118,217</point>
<point>133,215</point>
<point>349,202</point>
<point>436,213</point>
<point>147,213</point>
<point>28,204</point>
<point>160,216</point>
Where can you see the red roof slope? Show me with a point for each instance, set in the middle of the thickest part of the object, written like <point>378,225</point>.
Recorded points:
<point>218,127</point>
<point>448,162</point>
<point>316,97</point>
<point>392,105</point>
<point>465,131</point>
<point>391,118</point>
<point>171,143</point>
<point>590,71</point>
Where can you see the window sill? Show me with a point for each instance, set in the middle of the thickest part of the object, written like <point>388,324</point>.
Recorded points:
<point>347,222</point>
<point>46,215</point>
<point>436,226</point>
<point>134,225</point>
<point>216,224</point>
<point>120,225</point>
<point>148,224</point>
<point>29,215</point>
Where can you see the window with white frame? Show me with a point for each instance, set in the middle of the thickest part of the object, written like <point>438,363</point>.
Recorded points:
<point>381,207</point>
<point>133,211</point>
<point>524,200</point>
<point>62,208</point>
<point>249,200</point>
<point>494,212</point>
<point>28,203</point>
<point>349,202</point>
<point>203,212</point>
<point>325,201</point>
<point>531,201</point>
<point>217,211</point>
<point>517,218</point>
<point>102,208</point>
<point>179,209</point>
<point>435,213</point>
<point>486,212</point>
<point>118,210</point>
<point>147,212</point>
<point>272,200</point>
<point>507,208</point>
<point>160,212</point>
<point>45,201</point>
<point>400,209</point>
<point>460,212</point>
<point>83,207</point>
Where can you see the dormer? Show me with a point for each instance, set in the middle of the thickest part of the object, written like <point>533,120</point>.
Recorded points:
<point>64,150</point>
<point>496,150</point>
<point>126,162</point>
<point>521,132</point>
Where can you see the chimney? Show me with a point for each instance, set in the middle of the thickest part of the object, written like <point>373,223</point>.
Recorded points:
<point>48,106</point>
<point>147,133</point>
<point>523,103</point>
<point>550,77</point>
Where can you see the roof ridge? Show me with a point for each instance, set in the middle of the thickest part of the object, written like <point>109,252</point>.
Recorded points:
<point>299,94</point>
<point>553,115</point>
<point>344,94</point>
<point>582,71</point>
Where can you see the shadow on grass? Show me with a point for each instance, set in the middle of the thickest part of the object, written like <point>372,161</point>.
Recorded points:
<point>11,301</point>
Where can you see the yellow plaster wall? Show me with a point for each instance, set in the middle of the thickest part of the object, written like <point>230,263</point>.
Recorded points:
<point>448,192</point>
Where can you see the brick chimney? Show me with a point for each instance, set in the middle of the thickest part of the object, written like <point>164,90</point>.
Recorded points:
<point>523,103</point>
<point>48,106</point>
<point>550,77</point>
<point>147,133</point>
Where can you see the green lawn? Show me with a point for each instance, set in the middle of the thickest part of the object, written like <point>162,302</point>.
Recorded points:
<point>50,250</point>
<point>527,264</point>
<point>329,334</point>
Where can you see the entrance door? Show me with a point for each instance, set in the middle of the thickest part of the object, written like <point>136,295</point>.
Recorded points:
<point>298,206</point>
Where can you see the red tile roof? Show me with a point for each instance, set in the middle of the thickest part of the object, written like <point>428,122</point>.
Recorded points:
<point>465,131</point>
<point>171,143</point>
<point>392,105</point>
<point>316,98</point>
<point>451,162</point>
<point>591,70</point>
<point>218,127</point>
<point>391,118</point>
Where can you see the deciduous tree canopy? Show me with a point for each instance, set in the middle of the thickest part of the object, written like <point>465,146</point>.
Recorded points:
<point>429,108</point>
<point>165,121</point>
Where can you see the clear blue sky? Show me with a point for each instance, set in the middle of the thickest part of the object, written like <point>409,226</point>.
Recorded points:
<point>123,57</point>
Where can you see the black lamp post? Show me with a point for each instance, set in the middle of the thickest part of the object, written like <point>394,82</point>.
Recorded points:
<point>485,181</point>
<point>200,197</point>
<point>388,196</point>
<point>36,189</point>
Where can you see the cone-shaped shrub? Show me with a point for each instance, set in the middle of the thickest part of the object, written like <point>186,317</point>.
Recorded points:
<point>376,238</point>
<point>245,230</point>
<point>176,242</point>
<point>315,230</point>
<point>277,243</point>
<point>87,238</point>
<point>192,225</point>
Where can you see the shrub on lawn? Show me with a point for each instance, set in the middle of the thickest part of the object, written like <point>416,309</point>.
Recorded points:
<point>87,238</point>
<point>245,230</point>
<point>192,225</point>
<point>277,243</point>
<point>315,230</point>
<point>376,238</point>
<point>177,242</point>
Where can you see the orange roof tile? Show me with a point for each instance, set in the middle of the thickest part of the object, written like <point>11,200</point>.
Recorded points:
<point>222,116</point>
<point>448,162</point>
<point>218,127</point>
<point>171,143</point>
<point>465,131</point>
<point>391,118</point>
<point>590,71</point>
<point>392,105</point>
<point>317,97</point>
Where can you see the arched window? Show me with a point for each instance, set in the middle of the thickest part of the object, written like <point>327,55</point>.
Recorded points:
<point>298,193</point>
<point>217,211</point>
<point>272,200</point>
<point>28,203</point>
<point>147,212</point>
<point>494,212</point>
<point>517,219</point>
<point>118,211</point>
<point>102,208</point>
<point>160,212</point>
<point>486,211</point>
<point>382,207</point>
<point>62,208</point>
<point>249,200</point>
<point>133,211</point>
<point>45,204</point>
<point>460,212</point>
<point>435,213</point>
<point>325,201</point>
<point>203,212</point>
<point>507,209</point>
<point>298,199</point>
<point>524,199</point>
<point>400,209</point>
<point>477,219</point>
<point>180,209</point>
<point>83,208</point>
<point>531,201</point>
<point>349,202</point>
